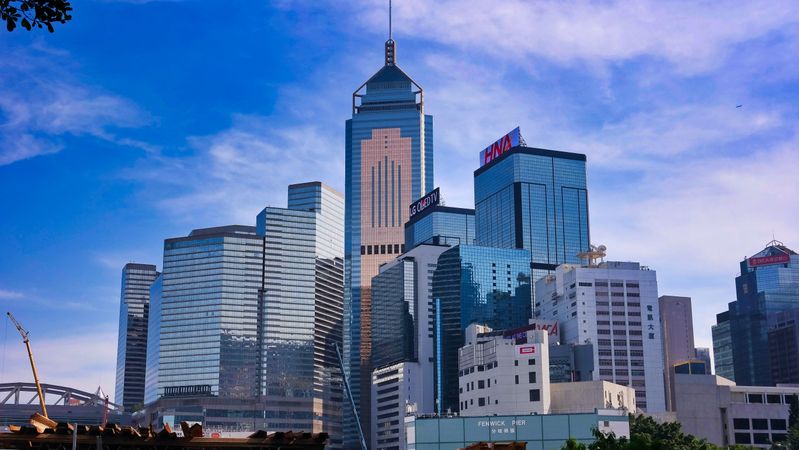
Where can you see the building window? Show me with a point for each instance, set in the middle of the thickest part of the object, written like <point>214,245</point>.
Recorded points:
<point>740,424</point>
<point>531,377</point>
<point>779,424</point>
<point>516,363</point>
<point>531,362</point>
<point>761,438</point>
<point>481,385</point>
<point>517,379</point>
<point>383,249</point>
<point>363,249</point>
<point>755,398</point>
<point>535,395</point>
<point>396,248</point>
<point>773,398</point>
<point>760,424</point>
<point>368,249</point>
<point>481,401</point>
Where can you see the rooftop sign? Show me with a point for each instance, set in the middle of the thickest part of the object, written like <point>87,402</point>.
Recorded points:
<point>432,198</point>
<point>500,146</point>
<point>769,260</point>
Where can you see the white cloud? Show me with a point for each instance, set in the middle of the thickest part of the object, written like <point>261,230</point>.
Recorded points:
<point>81,360</point>
<point>32,125</point>
<point>241,169</point>
<point>10,295</point>
<point>693,36</point>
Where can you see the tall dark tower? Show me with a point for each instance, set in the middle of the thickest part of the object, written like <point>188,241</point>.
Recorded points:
<point>389,163</point>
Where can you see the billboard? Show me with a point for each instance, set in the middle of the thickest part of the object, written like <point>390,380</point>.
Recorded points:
<point>769,260</point>
<point>432,198</point>
<point>500,146</point>
<point>550,326</point>
<point>525,350</point>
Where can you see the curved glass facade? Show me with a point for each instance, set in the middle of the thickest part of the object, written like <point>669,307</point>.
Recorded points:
<point>484,285</point>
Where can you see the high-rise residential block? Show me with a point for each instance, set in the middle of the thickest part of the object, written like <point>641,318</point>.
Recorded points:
<point>613,305</point>
<point>767,287</point>
<point>132,342</point>
<point>389,163</point>
<point>473,284</point>
<point>534,199</point>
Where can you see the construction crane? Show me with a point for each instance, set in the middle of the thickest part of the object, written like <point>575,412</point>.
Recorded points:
<point>349,396</point>
<point>27,342</point>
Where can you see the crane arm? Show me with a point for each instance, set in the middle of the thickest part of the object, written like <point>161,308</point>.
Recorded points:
<point>27,343</point>
<point>21,330</point>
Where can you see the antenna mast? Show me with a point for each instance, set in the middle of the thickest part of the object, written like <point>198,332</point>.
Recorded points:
<point>391,56</point>
<point>389,20</point>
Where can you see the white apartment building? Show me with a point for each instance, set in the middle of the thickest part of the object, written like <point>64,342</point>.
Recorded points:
<point>614,306</point>
<point>498,375</point>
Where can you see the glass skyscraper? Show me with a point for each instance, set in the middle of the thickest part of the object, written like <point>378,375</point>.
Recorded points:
<point>534,199</point>
<point>302,309</point>
<point>153,342</point>
<point>389,163</point>
<point>440,225</point>
<point>132,342</point>
<point>471,284</point>
<point>768,285</point>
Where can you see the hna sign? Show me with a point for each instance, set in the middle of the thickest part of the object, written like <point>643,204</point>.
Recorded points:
<point>502,145</point>
<point>432,198</point>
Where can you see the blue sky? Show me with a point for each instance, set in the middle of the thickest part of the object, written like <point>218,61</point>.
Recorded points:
<point>141,120</point>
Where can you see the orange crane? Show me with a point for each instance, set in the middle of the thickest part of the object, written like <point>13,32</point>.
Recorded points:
<point>27,342</point>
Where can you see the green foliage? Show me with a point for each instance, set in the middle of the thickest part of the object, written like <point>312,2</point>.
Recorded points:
<point>572,444</point>
<point>648,434</point>
<point>34,13</point>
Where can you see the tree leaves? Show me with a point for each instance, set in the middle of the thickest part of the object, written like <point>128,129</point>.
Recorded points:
<point>35,13</point>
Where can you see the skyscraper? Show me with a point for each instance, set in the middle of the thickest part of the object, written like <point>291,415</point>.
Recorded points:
<point>302,309</point>
<point>534,199</point>
<point>471,284</point>
<point>677,328</point>
<point>132,342</point>
<point>389,163</point>
<point>767,286</point>
<point>613,305</point>
<point>245,319</point>
<point>438,224</point>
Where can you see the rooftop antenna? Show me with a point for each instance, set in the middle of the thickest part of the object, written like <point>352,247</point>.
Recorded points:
<point>390,47</point>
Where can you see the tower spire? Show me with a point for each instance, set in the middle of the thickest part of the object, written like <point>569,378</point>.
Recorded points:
<point>391,49</point>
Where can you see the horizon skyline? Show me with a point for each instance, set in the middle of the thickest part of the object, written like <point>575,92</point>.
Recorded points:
<point>131,170</point>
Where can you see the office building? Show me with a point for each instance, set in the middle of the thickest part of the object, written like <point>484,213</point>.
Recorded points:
<point>714,408</point>
<point>535,431</point>
<point>768,284</point>
<point>613,305</point>
<point>722,347</point>
<point>703,354</point>
<point>396,391</point>
<point>389,163</point>
<point>474,284</point>
<point>132,342</point>
<point>302,302</point>
<point>153,341</point>
<point>248,319</point>
<point>433,223</point>
<point>534,199</point>
<point>783,342</point>
<point>402,325</point>
<point>676,326</point>
<point>499,375</point>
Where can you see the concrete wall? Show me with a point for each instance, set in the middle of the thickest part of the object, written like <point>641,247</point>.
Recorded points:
<point>588,396</point>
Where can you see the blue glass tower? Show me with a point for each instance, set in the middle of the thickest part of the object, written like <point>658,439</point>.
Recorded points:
<point>389,163</point>
<point>767,288</point>
<point>471,284</point>
<point>534,199</point>
<point>440,225</point>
